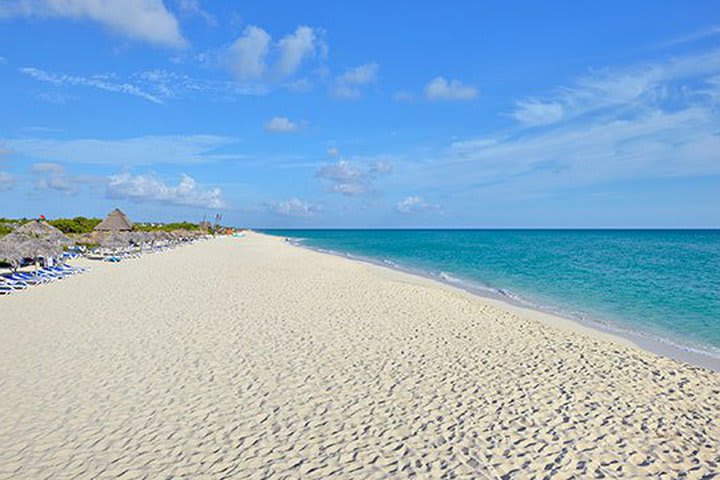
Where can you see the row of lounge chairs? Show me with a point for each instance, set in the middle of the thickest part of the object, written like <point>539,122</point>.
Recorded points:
<point>115,255</point>
<point>21,280</point>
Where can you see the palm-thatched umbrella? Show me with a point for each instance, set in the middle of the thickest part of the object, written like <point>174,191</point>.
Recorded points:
<point>45,231</point>
<point>92,238</point>
<point>115,241</point>
<point>116,221</point>
<point>139,238</point>
<point>162,236</point>
<point>9,254</point>
<point>35,248</point>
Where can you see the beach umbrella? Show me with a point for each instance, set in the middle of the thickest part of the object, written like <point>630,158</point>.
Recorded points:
<point>35,248</point>
<point>9,254</point>
<point>115,241</point>
<point>181,234</point>
<point>44,231</point>
<point>116,221</point>
<point>94,237</point>
<point>162,236</point>
<point>139,238</point>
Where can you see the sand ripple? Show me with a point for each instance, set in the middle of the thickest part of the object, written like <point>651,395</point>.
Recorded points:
<point>248,358</point>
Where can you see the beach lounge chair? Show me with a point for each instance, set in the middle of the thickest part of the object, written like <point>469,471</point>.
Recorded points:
<point>7,282</point>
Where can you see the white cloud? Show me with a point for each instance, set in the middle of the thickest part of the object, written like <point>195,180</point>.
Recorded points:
<point>333,151</point>
<point>156,86</point>
<point>102,82</point>
<point>658,124</point>
<point>7,181</point>
<point>169,149</point>
<point>533,112</point>
<point>53,176</point>
<point>694,36</point>
<point>2,60</point>
<point>637,86</point>
<point>711,89</point>
<point>352,180</point>
<point>47,167</point>
<point>255,58</point>
<point>413,204</point>
<point>281,125</point>
<point>348,85</point>
<point>655,144</point>
<point>294,207</point>
<point>296,47</point>
<point>246,55</point>
<point>165,85</point>
<point>150,188</point>
<point>440,89</point>
<point>192,7</point>
<point>146,20</point>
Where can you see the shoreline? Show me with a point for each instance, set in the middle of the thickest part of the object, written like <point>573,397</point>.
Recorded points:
<point>252,358</point>
<point>654,345</point>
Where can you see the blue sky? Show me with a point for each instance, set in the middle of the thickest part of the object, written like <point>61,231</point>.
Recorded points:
<point>363,114</point>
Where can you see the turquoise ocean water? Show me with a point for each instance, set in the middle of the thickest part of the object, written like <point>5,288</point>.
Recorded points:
<point>661,284</point>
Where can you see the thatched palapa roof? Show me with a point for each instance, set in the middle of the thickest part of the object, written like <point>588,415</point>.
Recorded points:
<point>44,231</point>
<point>9,254</point>
<point>116,221</point>
<point>115,240</point>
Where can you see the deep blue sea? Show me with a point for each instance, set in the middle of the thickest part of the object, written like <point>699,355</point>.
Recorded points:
<point>662,284</point>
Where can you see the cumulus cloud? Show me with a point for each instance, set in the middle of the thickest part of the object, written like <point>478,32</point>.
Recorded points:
<point>7,181</point>
<point>254,57</point>
<point>246,55</point>
<point>281,125</point>
<point>441,89</point>
<point>296,47</point>
<point>146,20</point>
<point>294,207</point>
<point>413,204</point>
<point>349,84</point>
<point>352,180</point>
<point>53,176</point>
<point>149,188</point>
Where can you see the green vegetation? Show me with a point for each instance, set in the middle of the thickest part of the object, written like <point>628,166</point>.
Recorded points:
<point>75,225</point>
<point>7,225</point>
<point>165,227</point>
<point>80,225</point>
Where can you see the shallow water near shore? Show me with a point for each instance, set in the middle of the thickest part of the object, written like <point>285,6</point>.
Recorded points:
<point>655,285</point>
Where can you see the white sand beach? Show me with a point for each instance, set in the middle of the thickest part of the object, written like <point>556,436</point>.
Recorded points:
<point>252,358</point>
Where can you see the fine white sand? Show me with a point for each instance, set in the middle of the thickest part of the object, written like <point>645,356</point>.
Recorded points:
<point>251,358</point>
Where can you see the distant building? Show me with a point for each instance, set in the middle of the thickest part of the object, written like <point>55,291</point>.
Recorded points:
<point>205,225</point>
<point>116,221</point>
